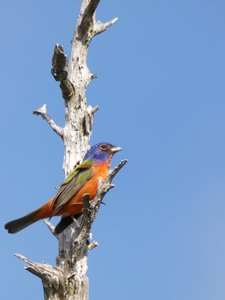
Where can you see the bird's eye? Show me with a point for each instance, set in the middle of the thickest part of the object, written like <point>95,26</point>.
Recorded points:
<point>103,147</point>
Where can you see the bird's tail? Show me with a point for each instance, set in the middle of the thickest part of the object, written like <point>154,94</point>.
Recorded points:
<point>21,223</point>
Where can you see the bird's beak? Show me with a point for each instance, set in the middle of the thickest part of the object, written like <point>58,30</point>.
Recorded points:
<point>115,149</point>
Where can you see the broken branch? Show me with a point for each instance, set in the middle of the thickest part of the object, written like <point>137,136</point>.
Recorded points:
<point>42,111</point>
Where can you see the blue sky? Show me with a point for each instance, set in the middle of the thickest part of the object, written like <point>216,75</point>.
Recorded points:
<point>161,89</point>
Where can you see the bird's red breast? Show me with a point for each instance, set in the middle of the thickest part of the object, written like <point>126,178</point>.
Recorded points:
<point>75,205</point>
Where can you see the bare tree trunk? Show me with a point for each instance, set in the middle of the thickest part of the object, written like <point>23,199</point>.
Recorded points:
<point>68,279</point>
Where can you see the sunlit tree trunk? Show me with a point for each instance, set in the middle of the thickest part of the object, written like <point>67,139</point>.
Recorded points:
<point>68,279</point>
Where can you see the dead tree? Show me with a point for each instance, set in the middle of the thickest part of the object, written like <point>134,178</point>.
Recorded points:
<point>68,279</point>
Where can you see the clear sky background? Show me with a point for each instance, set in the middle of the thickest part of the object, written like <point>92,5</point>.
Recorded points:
<point>161,89</point>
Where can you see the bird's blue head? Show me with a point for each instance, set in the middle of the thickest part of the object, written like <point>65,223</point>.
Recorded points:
<point>102,152</point>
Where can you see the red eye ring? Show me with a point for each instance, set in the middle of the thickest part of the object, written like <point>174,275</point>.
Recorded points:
<point>103,147</point>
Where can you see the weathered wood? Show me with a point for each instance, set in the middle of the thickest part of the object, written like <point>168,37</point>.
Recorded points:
<point>68,279</point>
<point>42,111</point>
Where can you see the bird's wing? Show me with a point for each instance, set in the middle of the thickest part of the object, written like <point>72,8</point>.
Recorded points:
<point>72,184</point>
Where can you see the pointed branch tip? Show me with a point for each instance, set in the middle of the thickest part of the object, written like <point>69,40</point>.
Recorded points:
<point>93,76</point>
<point>95,109</point>
<point>21,257</point>
<point>42,111</point>
<point>51,227</point>
<point>100,27</point>
<point>92,245</point>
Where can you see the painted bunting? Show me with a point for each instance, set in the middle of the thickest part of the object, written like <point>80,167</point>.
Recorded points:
<point>68,202</point>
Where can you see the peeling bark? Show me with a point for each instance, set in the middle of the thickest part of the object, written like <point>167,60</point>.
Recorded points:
<point>68,279</point>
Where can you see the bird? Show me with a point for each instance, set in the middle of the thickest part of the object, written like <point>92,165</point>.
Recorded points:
<point>68,201</point>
